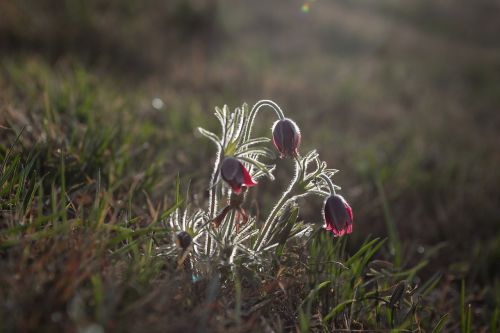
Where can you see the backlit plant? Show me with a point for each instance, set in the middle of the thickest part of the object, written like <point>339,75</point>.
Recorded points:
<point>225,229</point>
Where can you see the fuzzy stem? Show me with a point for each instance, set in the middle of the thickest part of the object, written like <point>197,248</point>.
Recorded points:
<point>255,110</point>
<point>212,202</point>
<point>302,169</point>
<point>271,220</point>
<point>329,183</point>
<point>213,191</point>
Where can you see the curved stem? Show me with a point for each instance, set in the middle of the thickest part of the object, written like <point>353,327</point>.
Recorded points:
<point>255,109</point>
<point>268,102</point>
<point>271,219</point>
<point>301,167</point>
<point>329,183</point>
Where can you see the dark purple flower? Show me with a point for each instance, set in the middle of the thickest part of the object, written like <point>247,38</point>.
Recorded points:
<point>286,137</point>
<point>338,215</point>
<point>235,174</point>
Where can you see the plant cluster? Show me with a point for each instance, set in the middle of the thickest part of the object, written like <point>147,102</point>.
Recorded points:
<point>225,228</point>
<point>324,288</point>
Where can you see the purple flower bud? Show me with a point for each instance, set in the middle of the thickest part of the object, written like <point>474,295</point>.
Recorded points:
<point>184,240</point>
<point>235,174</point>
<point>338,215</point>
<point>286,137</point>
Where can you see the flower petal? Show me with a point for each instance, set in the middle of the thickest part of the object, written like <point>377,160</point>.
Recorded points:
<point>236,187</point>
<point>247,179</point>
<point>235,174</point>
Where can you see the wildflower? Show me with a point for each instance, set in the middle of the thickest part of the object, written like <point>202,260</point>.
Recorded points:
<point>235,174</point>
<point>183,240</point>
<point>338,215</point>
<point>286,137</point>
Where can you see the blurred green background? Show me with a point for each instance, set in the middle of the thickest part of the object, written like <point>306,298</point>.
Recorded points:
<point>402,97</point>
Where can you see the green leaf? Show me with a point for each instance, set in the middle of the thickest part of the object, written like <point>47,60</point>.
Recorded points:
<point>230,149</point>
<point>494,320</point>
<point>252,142</point>
<point>303,321</point>
<point>429,285</point>
<point>261,166</point>
<point>340,307</point>
<point>313,293</point>
<point>210,136</point>
<point>362,250</point>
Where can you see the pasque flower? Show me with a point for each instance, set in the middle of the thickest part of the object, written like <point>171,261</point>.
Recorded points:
<point>286,137</point>
<point>338,215</point>
<point>235,174</point>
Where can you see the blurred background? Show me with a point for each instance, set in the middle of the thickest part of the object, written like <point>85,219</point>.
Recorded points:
<point>402,97</point>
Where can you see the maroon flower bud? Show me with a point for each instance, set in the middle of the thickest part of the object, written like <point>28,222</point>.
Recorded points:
<point>338,215</point>
<point>183,240</point>
<point>286,137</point>
<point>235,174</point>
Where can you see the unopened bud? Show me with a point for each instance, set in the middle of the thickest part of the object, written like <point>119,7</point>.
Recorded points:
<point>338,215</point>
<point>286,137</point>
<point>184,239</point>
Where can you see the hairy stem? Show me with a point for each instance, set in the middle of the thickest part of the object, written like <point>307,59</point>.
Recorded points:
<point>255,110</point>
<point>329,183</point>
<point>213,191</point>
<point>270,222</point>
<point>212,199</point>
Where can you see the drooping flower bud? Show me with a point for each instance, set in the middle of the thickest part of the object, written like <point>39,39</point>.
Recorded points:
<point>338,215</point>
<point>235,174</point>
<point>183,240</point>
<point>286,137</point>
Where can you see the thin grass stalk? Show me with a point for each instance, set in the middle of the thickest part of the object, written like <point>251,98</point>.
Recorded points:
<point>394,240</point>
